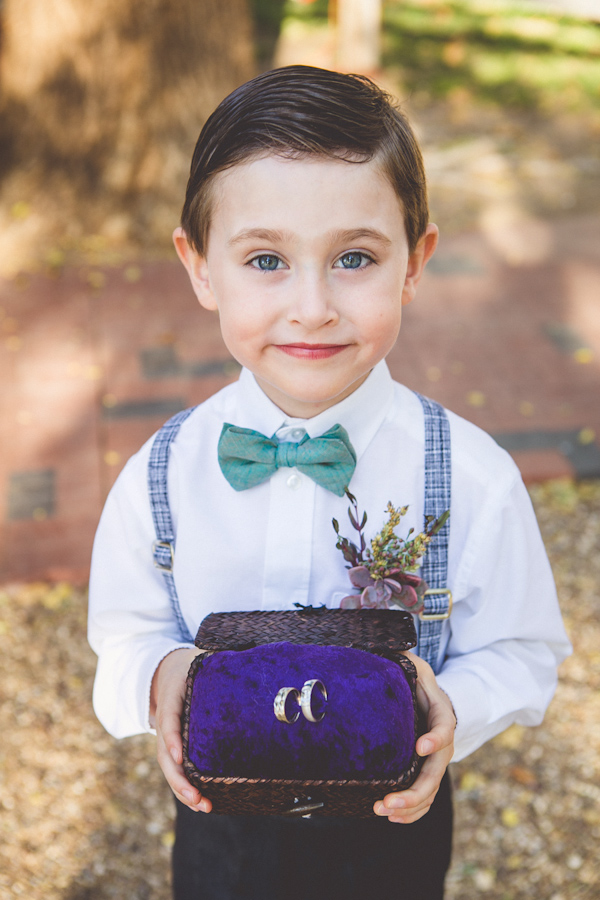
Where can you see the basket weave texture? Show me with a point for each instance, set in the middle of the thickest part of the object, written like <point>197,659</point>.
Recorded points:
<point>385,633</point>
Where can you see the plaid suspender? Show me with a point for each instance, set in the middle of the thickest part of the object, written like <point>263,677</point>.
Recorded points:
<point>437,501</point>
<point>164,545</point>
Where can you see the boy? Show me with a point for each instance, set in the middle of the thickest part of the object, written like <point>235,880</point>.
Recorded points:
<point>305,226</point>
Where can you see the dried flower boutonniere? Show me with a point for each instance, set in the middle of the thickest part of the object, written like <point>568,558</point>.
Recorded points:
<point>385,571</point>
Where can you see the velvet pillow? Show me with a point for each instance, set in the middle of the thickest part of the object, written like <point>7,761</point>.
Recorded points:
<point>367,730</point>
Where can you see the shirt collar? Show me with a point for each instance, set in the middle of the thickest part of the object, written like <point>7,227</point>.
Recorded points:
<point>361,414</point>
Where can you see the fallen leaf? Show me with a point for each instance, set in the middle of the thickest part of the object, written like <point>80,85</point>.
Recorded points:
<point>476,398</point>
<point>510,817</point>
<point>584,355</point>
<point>168,839</point>
<point>586,436</point>
<point>96,280</point>
<point>93,372</point>
<point>57,596</point>
<point>484,879</point>
<point>511,738</point>
<point>132,274</point>
<point>20,209</point>
<point>472,781</point>
<point>523,775</point>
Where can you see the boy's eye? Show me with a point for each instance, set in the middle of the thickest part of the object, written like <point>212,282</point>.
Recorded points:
<point>353,260</point>
<point>267,262</point>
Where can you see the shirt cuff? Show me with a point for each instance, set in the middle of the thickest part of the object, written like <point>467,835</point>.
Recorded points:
<point>470,699</point>
<point>122,686</point>
<point>148,727</point>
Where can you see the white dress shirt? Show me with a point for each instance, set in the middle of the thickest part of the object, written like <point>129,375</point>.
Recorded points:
<point>274,545</point>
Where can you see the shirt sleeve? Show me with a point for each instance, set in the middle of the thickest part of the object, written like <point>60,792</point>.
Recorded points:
<point>131,626</point>
<point>507,638</point>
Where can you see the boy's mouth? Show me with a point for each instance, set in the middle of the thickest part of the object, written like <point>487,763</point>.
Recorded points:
<point>311,351</point>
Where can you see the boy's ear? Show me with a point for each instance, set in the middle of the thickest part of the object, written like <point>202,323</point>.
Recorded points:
<point>418,260</point>
<point>197,269</point>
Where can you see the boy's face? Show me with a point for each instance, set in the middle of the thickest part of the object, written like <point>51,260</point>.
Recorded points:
<point>308,264</point>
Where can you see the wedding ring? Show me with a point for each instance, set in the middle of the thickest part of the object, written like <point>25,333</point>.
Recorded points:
<point>280,702</point>
<point>306,699</point>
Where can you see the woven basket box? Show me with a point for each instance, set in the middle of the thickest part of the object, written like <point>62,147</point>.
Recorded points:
<point>359,746</point>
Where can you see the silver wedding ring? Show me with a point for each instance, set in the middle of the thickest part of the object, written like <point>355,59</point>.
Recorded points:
<point>280,703</point>
<point>306,699</point>
<point>303,698</point>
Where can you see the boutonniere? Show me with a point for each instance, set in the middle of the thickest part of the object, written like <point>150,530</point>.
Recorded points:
<point>384,572</point>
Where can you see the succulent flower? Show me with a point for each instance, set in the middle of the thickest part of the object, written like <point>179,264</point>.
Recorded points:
<point>384,572</point>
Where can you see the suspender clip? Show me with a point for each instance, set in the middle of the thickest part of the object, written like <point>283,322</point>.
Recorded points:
<point>437,617</point>
<point>157,546</point>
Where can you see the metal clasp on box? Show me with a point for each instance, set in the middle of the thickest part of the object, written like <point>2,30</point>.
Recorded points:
<point>437,617</point>
<point>165,545</point>
<point>304,808</point>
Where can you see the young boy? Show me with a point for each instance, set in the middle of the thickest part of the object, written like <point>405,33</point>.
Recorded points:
<point>305,226</point>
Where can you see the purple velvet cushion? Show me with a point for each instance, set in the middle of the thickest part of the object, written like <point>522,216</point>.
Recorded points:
<point>368,731</point>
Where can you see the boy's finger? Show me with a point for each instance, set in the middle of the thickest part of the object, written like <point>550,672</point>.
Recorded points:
<point>418,798</point>
<point>404,815</point>
<point>423,790</point>
<point>409,819</point>
<point>442,725</point>
<point>168,726</point>
<point>401,805</point>
<point>181,787</point>
<point>435,740</point>
<point>174,746</point>
<point>203,806</point>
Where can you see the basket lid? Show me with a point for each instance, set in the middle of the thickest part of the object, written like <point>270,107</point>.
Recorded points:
<point>374,630</point>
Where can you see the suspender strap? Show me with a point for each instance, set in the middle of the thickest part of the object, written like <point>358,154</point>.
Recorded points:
<point>164,545</point>
<point>438,474</point>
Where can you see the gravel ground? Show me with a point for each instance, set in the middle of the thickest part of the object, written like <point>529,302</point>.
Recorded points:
<point>85,816</point>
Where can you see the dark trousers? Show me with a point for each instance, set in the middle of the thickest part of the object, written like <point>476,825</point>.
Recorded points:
<point>275,858</point>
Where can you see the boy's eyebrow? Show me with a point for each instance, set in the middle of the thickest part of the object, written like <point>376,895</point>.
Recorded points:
<point>260,234</point>
<point>355,234</point>
<point>272,237</point>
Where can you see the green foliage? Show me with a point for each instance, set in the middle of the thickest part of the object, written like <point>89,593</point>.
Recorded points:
<point>387,553</point>
<point>267,16</point>
<point>307,12</point>
<point>497,52</point>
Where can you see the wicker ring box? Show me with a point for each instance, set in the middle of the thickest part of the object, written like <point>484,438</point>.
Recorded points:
<point>362,744</point>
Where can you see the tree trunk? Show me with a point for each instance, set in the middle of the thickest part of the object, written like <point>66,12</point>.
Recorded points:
<point>101,102</point>
<point>358,35</point>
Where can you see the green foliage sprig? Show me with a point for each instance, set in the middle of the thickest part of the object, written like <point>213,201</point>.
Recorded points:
<point>384,571</point>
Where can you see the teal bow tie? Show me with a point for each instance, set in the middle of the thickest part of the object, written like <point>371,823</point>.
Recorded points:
<point>247,457</point>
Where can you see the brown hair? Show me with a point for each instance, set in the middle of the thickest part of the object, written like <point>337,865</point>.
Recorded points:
<point>301,111</point>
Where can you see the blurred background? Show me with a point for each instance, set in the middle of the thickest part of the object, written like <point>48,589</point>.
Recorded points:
<point>101,340</point>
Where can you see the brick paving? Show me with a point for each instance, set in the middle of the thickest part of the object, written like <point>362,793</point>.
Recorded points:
<point>93,361</point>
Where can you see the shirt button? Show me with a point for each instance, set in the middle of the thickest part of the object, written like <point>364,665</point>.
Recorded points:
<point>297,434</point>
<point>294,481</point>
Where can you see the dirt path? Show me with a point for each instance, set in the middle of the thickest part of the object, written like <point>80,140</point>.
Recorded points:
<point>84,816</point>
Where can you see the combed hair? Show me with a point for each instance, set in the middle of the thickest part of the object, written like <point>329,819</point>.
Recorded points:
<point>300,111</point>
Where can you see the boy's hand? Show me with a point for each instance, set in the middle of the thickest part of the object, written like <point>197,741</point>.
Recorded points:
<point>166,706</point>
<point>437,744</point>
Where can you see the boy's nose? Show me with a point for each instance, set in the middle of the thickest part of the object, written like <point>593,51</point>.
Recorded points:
<point>313,304</point>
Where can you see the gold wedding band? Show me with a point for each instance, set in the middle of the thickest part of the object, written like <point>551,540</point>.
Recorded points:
<point>280,702</point>
<point>306,698</point>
